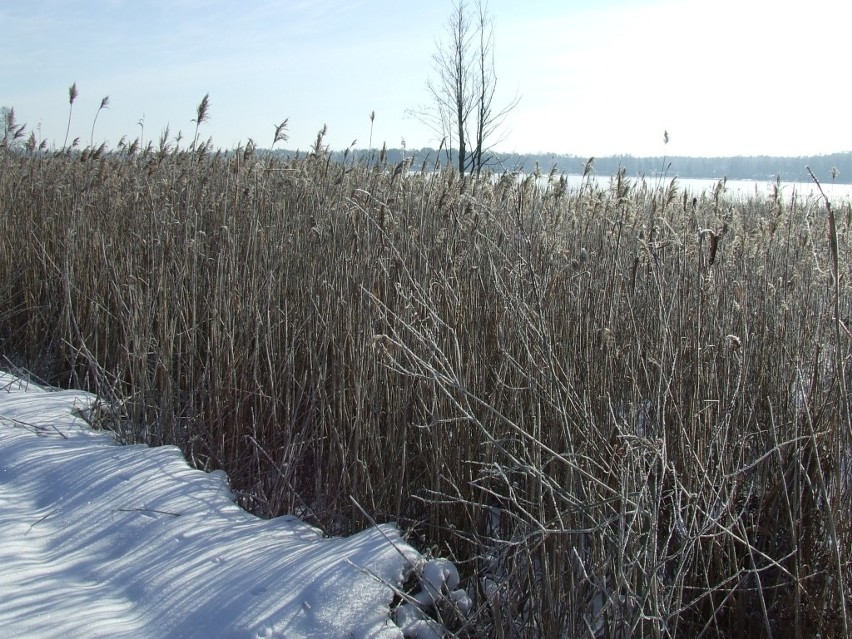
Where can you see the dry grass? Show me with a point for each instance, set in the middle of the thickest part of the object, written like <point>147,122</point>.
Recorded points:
<point>620,411</point>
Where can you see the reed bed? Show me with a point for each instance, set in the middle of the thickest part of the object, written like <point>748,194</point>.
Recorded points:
<point>621,411</point>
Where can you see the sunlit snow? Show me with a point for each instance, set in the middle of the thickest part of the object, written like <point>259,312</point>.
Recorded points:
<point>103,540</point>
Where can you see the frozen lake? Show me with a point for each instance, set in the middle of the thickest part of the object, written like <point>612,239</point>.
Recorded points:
<point>743,188</point>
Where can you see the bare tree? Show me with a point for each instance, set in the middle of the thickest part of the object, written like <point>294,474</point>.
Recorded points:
<point>462,110</point>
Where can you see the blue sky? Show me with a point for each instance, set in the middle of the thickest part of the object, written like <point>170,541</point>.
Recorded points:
<point>724,77</point>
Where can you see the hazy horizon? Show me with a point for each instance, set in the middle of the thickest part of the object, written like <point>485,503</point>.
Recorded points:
<point>723,78</point>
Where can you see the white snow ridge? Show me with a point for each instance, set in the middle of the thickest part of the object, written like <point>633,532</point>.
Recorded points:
<point>103,540</point>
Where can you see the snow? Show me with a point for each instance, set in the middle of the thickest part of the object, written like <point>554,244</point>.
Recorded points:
<point>103,540</point>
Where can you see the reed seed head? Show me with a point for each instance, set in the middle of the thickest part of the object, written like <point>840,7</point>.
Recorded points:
<point>203,111</point>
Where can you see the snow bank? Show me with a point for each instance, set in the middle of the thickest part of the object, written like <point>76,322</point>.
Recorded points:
<point>103,540</point>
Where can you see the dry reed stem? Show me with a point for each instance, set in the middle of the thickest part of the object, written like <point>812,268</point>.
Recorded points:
<point>609,432</point>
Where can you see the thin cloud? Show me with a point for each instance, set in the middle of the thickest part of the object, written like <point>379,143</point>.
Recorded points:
<point>723,77</point>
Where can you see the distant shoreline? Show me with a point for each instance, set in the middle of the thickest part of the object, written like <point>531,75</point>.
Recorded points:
<point>758,168</point>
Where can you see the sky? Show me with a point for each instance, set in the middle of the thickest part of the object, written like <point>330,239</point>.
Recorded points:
<point>722,77</point>
<point>101,540</point>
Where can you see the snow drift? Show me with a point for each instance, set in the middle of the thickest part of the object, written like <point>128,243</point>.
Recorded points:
<point>103,540</point>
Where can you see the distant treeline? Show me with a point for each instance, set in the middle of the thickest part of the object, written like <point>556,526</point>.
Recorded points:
<point>835,166</point>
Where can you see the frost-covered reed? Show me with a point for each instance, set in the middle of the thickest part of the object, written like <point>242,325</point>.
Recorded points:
<point>620,411</point>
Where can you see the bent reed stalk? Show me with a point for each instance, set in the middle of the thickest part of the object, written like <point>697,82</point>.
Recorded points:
<point>619,411</point>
